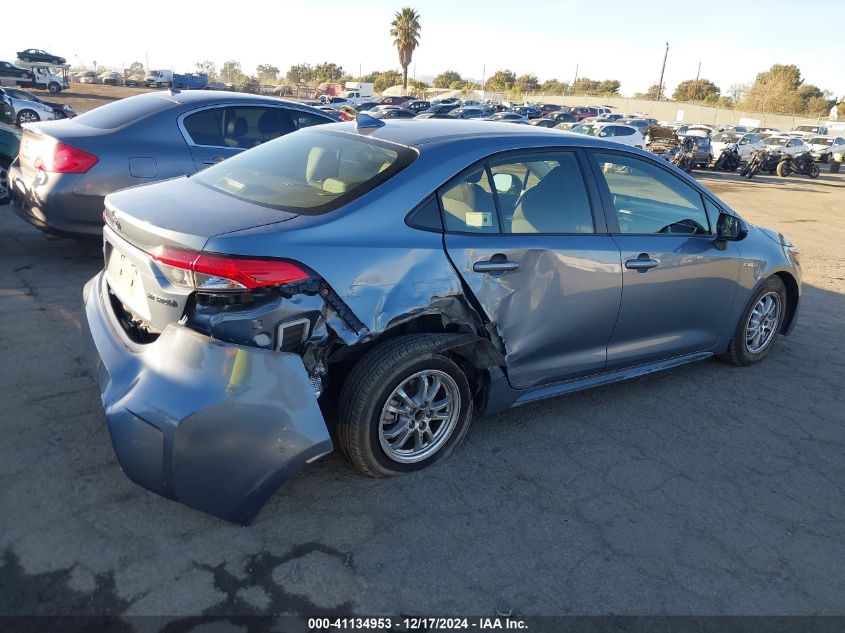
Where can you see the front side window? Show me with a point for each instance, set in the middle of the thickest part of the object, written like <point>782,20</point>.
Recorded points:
<point>310,172</point>
<point>649,200</point>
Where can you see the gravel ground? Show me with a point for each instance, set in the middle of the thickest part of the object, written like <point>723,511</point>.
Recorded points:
<point>706,490</point>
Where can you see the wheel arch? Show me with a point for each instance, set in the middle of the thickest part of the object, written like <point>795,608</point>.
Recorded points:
<point>793,294</point>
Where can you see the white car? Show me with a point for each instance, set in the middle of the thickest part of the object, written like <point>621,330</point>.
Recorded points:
<point>791,145</point>
<point>746,143</point>
<point>617,132</point>
<point>25,110</point>
<point>694,130</point>
<point>823,147</point>
<point>807,132</point>
<point>335,101</point>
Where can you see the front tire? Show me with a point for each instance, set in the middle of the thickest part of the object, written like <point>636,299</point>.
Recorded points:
<point>759,327</point>
<point>403,407</point>
<point>814,171</point>
<point>27,116</point>
<point>783,169</point>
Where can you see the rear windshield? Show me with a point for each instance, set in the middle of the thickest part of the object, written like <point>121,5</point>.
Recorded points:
<point>821,140</point>
<point>775,141</point>
<point>308,172</point>
<point>726,137</point>
<point>119,113</point>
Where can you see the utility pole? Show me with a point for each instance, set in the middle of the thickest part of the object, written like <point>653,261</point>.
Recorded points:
<point>483,77</point>
<point>662,70</point>
<point>147,57</point>
<point>360,76</point>
<point>575,81</point>
<point>697,75</point>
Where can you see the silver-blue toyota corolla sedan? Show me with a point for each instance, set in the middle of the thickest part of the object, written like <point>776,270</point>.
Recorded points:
<point>371,286</point>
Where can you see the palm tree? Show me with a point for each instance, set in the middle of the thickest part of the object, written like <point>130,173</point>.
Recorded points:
<point>405,30</point>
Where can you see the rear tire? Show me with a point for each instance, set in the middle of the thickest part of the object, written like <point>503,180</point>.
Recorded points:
<point>743,349</point>
<point>783,170</point>
<point>372,418</point>
<point>814,171</point>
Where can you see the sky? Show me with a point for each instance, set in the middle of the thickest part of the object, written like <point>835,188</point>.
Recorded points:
<point>607,39</point>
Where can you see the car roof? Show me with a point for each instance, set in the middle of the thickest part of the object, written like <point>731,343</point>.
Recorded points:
<point>201,96</point>
<point>422,132</point>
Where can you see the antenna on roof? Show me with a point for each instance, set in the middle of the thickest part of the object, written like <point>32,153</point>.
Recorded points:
<point>366,122</point>
<point>174,90</point>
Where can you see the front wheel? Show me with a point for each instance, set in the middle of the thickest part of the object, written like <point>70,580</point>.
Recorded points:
<point>783,169</point>
<point>27,116</point>
<point>814,171</point>
<point>54,88</point>
<point>403,407</point>
<point>759,327</point>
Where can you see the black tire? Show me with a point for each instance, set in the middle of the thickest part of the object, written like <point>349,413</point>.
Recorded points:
<point>720,164</point>
<point>4,179</point>
<point>22,113</point>
<point>367,389</point>
<point>54,88</point>
<point>738,353</point>
<point>744,171</point>
<point>814,171</point>
<point>783,169</point>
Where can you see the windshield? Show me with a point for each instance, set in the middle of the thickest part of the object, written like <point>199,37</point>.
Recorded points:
<point>307,172</point>
<point>776,141</point>
<point>807,128</point>
<point>725,137</point>
<point>820,140</point>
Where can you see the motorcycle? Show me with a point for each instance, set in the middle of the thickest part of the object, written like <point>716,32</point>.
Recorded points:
<point>728,160</point>
<point>761,160</point>
<point>802,164</point>
<point>685,155</point>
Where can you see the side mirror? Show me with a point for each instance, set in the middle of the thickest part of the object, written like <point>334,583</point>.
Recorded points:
<point>603,133</point>
<point>730,228</point>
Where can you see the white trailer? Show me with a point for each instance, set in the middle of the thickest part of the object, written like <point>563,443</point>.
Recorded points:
<point>358,91</point>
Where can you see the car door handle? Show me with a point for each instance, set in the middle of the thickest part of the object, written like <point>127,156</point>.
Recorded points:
<point>212,161</point>
<point>643,263</point>
<point>494,266</point>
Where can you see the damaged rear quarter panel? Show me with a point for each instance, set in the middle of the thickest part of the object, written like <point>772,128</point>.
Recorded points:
<point>383,270</point>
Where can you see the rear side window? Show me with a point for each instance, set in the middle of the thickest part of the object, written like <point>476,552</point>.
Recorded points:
<point>119,113</point>
<point>309,172</point>
<point>244,127</point>
<point>523,194</point>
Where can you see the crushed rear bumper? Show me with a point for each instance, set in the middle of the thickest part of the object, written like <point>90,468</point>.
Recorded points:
<point>213,425</point>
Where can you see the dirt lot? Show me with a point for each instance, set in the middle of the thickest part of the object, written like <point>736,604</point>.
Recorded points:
<point>706,490</point>
<point>84,97</point>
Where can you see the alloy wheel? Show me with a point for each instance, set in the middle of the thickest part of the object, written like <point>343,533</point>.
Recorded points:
<point>763,322</point>
<point>27,117</point>
<point>419,416</point>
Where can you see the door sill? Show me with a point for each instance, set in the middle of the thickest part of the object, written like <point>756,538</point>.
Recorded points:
<point>597,380</point>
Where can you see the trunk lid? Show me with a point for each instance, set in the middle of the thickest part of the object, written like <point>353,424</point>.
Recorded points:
<point>181,212</point>
<point>178,213</point>
<point>37,137</point>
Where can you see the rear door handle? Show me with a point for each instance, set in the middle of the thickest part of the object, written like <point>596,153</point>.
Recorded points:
<point>494,266</point>
<point>212,161</point>
<point>643,263</point>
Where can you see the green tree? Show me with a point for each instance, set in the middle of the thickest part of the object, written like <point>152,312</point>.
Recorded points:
<point>527,83</point>
<point>231,72</point>
<point>405,31</point>
<point>692,90</point>
<point>208,68</point>
<point>776,90</point>
<point>501,81</point>
<point>327,72</point>
<point>382,80</point>
<point>554,87</point>
<point>609,87</point>
<point>446,79</point>
<point>136,69</point>
<point>300,74</point>
<point>267,73</point>
<point>650,94</point>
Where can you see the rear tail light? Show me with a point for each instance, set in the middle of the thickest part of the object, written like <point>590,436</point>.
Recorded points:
<point>59,158</point>
<point>208,271</point>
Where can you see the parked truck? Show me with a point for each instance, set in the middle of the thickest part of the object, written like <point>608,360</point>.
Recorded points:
<point>358,92</point>
<point>167,78</point>
<point>41,75</point>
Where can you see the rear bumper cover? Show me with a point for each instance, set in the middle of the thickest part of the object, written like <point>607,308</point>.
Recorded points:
<point>213,425</point>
